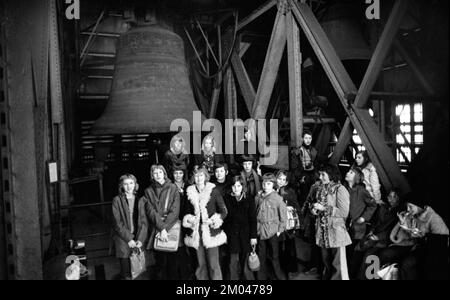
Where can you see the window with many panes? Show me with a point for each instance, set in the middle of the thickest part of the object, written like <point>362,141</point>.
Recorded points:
<point>357,140</point>
<point>408,131</point>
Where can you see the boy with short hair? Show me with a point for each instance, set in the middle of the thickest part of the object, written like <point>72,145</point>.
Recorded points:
<point>271,217</point>
<point>221,180</point>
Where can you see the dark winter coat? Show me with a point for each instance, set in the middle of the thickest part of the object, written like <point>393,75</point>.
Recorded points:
<point>306,218</point>
<point>172,161</point>
<point>240,224</point>
<point>199,160</point>
<point>362,205</point>
<point>155,202</point>
<point>223,188</point>
<point>253,182</point>
<point>383,222</point>
<point>122,224</point>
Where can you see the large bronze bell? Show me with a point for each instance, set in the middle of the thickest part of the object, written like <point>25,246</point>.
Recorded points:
<point>150,86</point>
<point>340,23</point>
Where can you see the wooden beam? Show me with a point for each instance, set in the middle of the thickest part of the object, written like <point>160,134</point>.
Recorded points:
<point>295,82</point>
<point>373,70</point>
<point>270,69</point>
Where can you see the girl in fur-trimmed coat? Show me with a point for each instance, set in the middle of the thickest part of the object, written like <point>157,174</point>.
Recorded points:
<point>332,209</point>
<point>204,217</point>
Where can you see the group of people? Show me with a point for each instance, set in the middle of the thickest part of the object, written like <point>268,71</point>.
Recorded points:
<point>304,219</point>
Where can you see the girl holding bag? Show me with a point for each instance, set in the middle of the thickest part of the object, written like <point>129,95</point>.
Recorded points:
<point>240,227</point>
<point>162,209</point>
<point>129,223</point>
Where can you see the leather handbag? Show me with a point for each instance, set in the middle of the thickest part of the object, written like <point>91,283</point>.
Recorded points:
<point>253,260</point>
<point>171,245</point>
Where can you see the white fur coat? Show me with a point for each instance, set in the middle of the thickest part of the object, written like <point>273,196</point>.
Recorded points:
<point>200,201</point>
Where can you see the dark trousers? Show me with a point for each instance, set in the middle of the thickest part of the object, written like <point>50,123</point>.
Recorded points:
<point>166,266</point>
<point>239,267</point>
<point>288,255</point>
<point>184,266</point>
<point>393,254</point>
<point>354,259</point>
<point>224,259</point>
<point>335,264</point>
<point>304,187</point>
<point>125,268</point>
<point>315,257</point>
<point>269,249</point>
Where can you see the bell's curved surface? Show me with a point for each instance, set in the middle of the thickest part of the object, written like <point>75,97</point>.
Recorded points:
<point>150,86</point>
<point>341,25</point>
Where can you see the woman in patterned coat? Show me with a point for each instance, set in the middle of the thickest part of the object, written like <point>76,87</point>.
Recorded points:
<point>332,209</point>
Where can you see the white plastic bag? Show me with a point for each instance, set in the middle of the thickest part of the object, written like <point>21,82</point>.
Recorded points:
<point>389,272</point>
<point>137,261</point>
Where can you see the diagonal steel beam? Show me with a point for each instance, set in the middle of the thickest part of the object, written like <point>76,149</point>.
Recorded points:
<point>379,153</point>
<point>247,89</point>
<point>427,86</point>
<point>248,19</point>
<point>270,69</point>
<point>373,70</point>
<point>215,96</point>
<point>333,67</point>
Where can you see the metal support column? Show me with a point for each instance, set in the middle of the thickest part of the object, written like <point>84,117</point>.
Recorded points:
<point>295,80</point>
